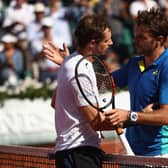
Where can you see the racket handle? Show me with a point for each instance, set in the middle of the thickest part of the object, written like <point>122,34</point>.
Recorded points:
<point>126,145</point>
<point>120,133</point>
<point>119,130</point>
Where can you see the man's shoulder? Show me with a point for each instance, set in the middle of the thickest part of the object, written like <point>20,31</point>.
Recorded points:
<point>136,59</point>
<point>163,59</point>
<point>70,62</point>
<point>72,58</point>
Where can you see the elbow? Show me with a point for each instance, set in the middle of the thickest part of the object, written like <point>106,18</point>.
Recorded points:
<point>96,127</point>
<point>97,122</point>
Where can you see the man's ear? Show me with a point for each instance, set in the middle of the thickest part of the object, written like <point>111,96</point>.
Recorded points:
<point>92,43</point>
<point>161,39</point>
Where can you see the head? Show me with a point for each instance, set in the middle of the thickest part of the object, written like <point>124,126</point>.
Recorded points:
<point>54,3</point>
<point>39,10</point>
<point>47,24</point>
<point>19,3</point>
<point>94,34</point>
<point>8,41</point>
<point>151,31</point>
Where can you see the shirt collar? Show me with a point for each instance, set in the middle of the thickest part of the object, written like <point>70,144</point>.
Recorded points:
<point>159,60</point>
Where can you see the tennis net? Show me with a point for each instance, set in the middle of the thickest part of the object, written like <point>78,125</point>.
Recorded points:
<point>38,157</point>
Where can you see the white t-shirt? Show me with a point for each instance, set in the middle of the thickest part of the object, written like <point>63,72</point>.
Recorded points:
<point>72,128</point>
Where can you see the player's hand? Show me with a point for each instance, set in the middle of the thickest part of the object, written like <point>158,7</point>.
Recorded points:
<point>116,116</point>
<point>54,53</point>
<point>148,108</point>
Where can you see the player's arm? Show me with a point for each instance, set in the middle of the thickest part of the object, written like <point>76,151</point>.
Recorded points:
<point>156,117</point>
<point>95,118</point>
<point>149,116</point>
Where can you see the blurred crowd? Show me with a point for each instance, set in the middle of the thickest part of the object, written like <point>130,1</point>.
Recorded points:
<point>25,25</point>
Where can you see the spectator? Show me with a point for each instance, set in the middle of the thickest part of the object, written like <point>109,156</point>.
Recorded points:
<point>61,31</point>
<point>67,2</point>
<point>47,69</point>
<point>34,28</point>
<point>127,48</point>
<point>75,11</point>
<point>61,28</point>
<point>34,32</point>
<point>93,3</point>
<point>55,9</point>
<point>11,60</point>
<point>16,21</point>
<point>16,17</point>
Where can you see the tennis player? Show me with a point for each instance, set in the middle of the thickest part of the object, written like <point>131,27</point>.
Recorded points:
<point>77,143</point>
<point>146,76</point>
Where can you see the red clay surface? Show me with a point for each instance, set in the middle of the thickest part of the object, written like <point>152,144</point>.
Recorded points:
<point>113,146</point>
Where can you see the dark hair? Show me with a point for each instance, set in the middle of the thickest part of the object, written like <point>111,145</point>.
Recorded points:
<point>90,27</point>
<point>154,20</point>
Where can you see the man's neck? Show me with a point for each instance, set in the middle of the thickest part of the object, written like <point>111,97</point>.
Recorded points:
<point>84,52</point>
<point>151,58</point>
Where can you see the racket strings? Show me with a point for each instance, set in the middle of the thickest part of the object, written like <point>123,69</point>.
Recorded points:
<point>104,83</point>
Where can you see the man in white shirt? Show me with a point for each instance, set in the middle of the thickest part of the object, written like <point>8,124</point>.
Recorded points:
<point>34,28</point>
<point>77,143</point>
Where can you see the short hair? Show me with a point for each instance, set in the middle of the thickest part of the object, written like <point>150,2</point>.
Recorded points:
<point>90,27</point>
<point>154,20</point>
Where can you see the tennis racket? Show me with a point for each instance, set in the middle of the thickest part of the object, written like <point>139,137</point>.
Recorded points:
<point>103,96</point>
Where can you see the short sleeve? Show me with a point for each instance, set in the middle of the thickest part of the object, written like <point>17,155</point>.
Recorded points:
<point>163,98</point>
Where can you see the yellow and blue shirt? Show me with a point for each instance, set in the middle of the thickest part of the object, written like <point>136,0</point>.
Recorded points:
<point>146,86</point>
